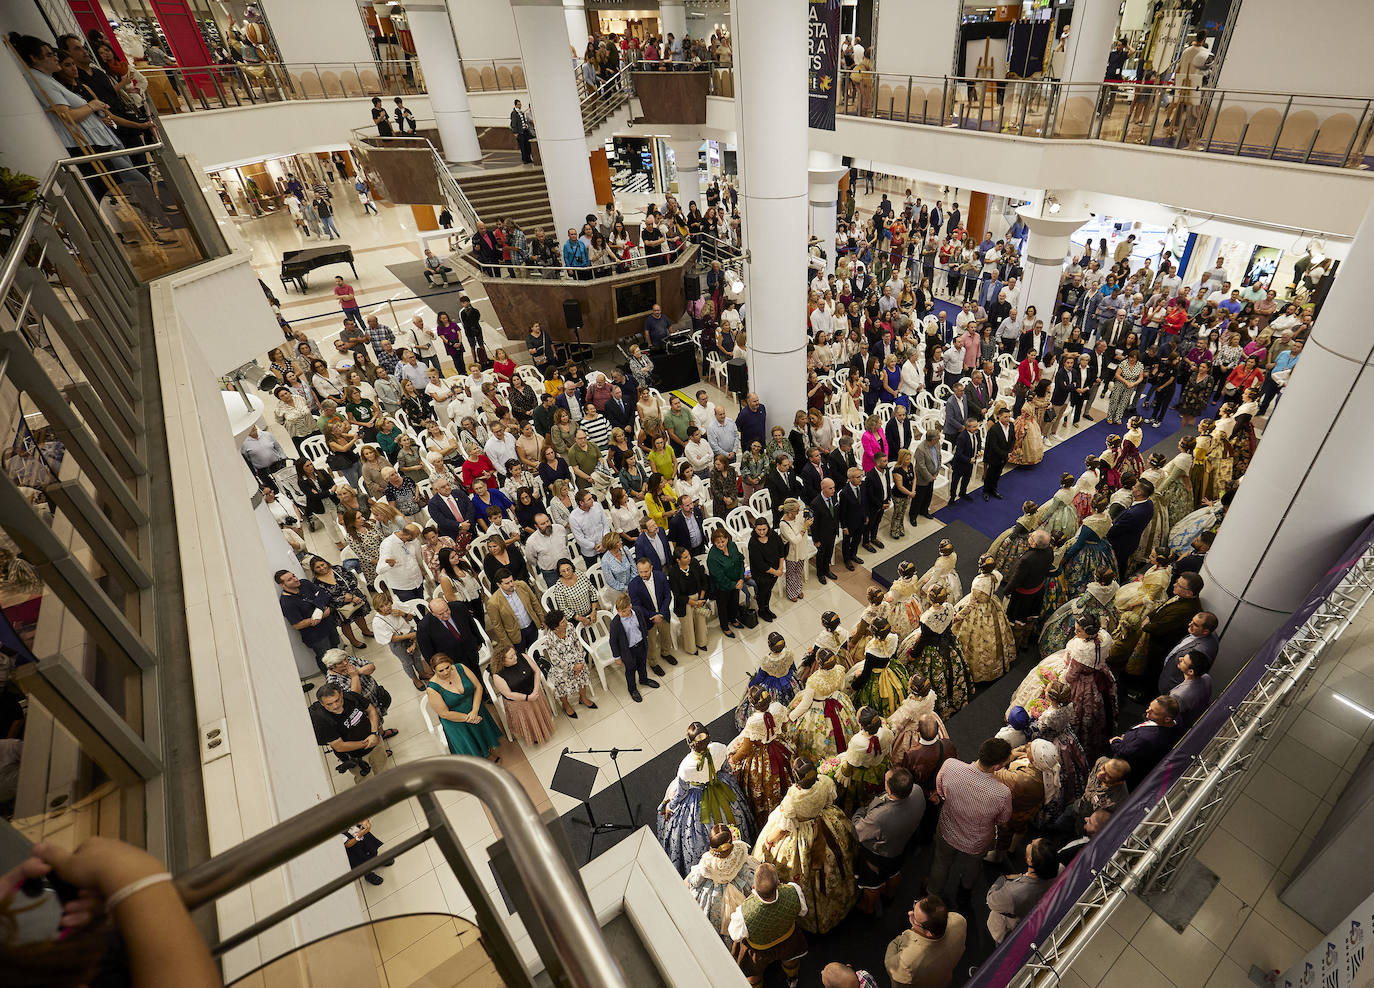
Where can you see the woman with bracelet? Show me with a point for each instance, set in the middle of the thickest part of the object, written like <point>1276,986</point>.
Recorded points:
<point>342,587</point>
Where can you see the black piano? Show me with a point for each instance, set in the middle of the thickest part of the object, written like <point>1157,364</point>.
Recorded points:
<point>296,264</point>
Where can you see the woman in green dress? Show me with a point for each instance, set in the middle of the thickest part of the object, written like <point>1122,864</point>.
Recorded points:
<point>455,697</point>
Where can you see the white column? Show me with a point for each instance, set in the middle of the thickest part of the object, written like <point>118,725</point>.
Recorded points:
<point>685,156</point>
<point>575,18</point>
<point>1306,494</point>
<point>823,196</point>
<point>770,120</point>
<point>672,18</point>
<point>1091,32</point>
<point>557,115</point>
<point>1044,261</point>
<point>448,97</point>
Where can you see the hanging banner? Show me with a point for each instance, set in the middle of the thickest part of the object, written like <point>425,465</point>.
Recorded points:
<point>1336,961</point>
<point>823,21</point>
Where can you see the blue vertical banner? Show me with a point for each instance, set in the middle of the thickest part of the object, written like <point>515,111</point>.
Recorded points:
<point>823,22</point>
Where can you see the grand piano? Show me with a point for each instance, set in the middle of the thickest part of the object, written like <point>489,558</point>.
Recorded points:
<point>296,264</point>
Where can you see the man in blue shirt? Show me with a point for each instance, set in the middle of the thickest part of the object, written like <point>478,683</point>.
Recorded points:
<point>629,636</point>
<point>1231,305</point>
<point>307,607</point>
<point>656,327</point>
<point>1273,388</point>
<point>575,254</point>
<point>723,435</point>
<point>752,421</point>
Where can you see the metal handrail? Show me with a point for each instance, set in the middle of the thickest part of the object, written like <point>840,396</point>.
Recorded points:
<point>676,247</point>
<point>283,79</point>
<point>452,190</point>
<point>573,945</point>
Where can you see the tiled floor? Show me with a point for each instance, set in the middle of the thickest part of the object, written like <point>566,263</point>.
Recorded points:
<point>1260,840</point>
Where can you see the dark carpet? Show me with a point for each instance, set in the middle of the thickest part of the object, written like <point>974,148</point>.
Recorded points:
<point>411,274</point>
<point>969,544</point>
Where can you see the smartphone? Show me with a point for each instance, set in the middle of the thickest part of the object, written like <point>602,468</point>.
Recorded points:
<point>36,908</point>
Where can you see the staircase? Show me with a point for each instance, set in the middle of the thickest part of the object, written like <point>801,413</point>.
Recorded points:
<point>606,109</point>
<point>518,192</point>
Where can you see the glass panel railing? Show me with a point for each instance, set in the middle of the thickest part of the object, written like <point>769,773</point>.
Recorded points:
<point>188,89</point>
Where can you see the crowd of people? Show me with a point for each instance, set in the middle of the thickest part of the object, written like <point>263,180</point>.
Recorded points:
<point>562,519</point>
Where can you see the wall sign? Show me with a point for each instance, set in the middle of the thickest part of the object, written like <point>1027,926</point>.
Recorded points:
<point>823,23</point>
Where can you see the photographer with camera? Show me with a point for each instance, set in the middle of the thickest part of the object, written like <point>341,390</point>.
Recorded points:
<point>351,727</point>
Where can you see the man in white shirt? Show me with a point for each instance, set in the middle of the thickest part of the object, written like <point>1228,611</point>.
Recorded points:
<point>398,561</point>
<point>569,401</point>
<point>462,404</point>
<point>1013,293</point>
<point>886,303</point>
<point>589,526</point>
<point>409,369</point>
<point>704,412</point>
<point>500,448</point>
<point>546,546</point>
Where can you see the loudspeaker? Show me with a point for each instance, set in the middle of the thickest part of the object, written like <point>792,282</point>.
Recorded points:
<point>572,313</point>
<point>737,376</point>
<point>692,283</point>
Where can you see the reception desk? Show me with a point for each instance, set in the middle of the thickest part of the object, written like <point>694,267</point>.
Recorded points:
<point>612,307</point>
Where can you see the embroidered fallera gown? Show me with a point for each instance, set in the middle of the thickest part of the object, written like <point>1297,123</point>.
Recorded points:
<point>1088,552</point>
<point>1058,516</point>
<point>879,681</point>
<point>1177,489</point>
<point>934,652</point>
<point>905,723</point>
<point>700,796</point>
<point>1083,666</point>
<point>1008,546</point>
<point>720,884</point>
<point>822,716</point>
<point>859,770</point>
<point>942,571</point>
<point>904,606</point>
<point>777,673</point>
<point>811,842</point>
<point>984,633</point>
<point>761,759</point>
<point>1098,600</point>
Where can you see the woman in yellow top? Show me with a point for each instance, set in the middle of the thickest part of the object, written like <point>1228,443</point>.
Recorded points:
<point>662,460</point>
<point>660,500</point>
<point>553,381</point>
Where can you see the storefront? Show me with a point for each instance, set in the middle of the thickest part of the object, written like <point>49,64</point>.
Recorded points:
<point>191,32</point>
<point>252,189</point>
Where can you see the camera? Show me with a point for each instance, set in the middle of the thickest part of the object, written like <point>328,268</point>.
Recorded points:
<point>807,515</point>
<point>348,763</point>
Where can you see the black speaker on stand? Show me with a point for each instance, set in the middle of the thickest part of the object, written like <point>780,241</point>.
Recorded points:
<point>572,318</point>
<point>691,282</point>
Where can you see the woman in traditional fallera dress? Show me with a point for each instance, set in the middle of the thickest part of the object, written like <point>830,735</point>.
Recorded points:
<point>1156,534</point>
<point>942,572</point>
<point>1221,462</point>
<point>834,635</point>
<point>1099,599</point>
<point>1028,446</point>
<point>1110,459</point>
<point>1055,724</point>
<point>822,715</point>
<point>1131,460</point>
<point>1089,551</point>
<point>1082,665</point>
<point>1200,474</point>
<point>981,626</point>
<point>760,756</point>
<point>700,796</point>
<point>1204,519</point>
<point>904,607</point>
<point>1085,489</point>
<point>1008,546</point>
<point>1135,602</point>
<point>811,842</point>
<point>879,680</point>
<point>920,700</point>
<point>859,770</point>
<point>722,879</point>
<point>1177,490</point>
<point>777,673</point>
<point>1058,516</point>
<point>1054,595</point>
<point>934,652</point>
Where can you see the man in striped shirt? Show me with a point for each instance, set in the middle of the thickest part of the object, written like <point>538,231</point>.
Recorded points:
<point>974,805</point>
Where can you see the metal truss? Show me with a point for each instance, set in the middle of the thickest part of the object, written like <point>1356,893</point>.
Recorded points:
<point>1170,835</point>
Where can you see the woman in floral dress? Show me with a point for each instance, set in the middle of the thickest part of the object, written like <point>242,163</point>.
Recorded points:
<point>1099,600</point>
<point>933,651</point>
<point>568,662</point>
<point>1156,534</point>
<point>822,715</point>
<point>1028,448</point>
<point>859,771</point>
<point>1177,489</point>
<point>811,842</point>
<point>1131,461</point>
<point>879,681</point>
<point>760,755</point>
<point>1086,488</point>
<point>1089,551</point>
<point>904,610</point>
<point>981,626</point>
<point>703,793</point>
<point>1124,383</point>
<point>1082,666</point>
<point>1055,724</point>
<point>722,879</point>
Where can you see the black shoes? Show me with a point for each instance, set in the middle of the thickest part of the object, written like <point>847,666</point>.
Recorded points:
<point>651,683</point>
<point>879,544</point>
<point>634,695</point>
<point>822,579</point>
<point>658,670</point>
<point>671,660</point>
<point>986,497</point>
<point>998,496</point>
<point>768,616</point>
<point>372,878</point>
<point>848,564</point>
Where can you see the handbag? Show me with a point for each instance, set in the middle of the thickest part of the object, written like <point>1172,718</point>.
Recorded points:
<point>346,611</point>
<point>338,461</point>
<point>749,617</point>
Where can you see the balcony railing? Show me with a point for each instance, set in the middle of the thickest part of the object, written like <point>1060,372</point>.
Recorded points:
<point>485,75</point>
<point>1301,128</point>
<point>186,89</point>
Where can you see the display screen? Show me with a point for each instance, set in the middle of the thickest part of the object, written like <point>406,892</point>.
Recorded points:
<point>637,299</point>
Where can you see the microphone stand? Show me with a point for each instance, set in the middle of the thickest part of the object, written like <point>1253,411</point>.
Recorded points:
<point>608,827</point>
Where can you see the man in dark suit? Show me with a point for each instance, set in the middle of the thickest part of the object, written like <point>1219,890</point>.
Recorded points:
<point>1124,535</point>
<point>1192,561</point>
<point>1098,376</point>
<point>687,529</point>
<point>651,594</point>
<point>811,475</point>
<point>1000,439</point>
<point>853,517</point>
<point>841,461</point>
<point>967,445</point>
<point>449,508</point>
<point>1066,384</point>
<point>1144,745</point>
<point>956,410</point>
<point>979,394</point>
<point>618,412</point>
<point>449,628</point>
<point>629,634</point>
<point>899,431</point>
<point>520,127</point>
<point>825,526</point>
<point>781,484</point>
<point>652,545</point>
<point>629,388</point>
<point>1166,626</point>
<point>877,492</point>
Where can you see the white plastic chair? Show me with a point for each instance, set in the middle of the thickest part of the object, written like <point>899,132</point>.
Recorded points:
<point>716,368</point>
<point>883,410</point>
<point>740,523</point>
<point>316,450</point>
<point>532,376</point>
<point>536,652</point>
<point>433,727</point>
<point>761,503</point>
<point>597,638</point>
<point>499,701</point>
<point>942,392</point>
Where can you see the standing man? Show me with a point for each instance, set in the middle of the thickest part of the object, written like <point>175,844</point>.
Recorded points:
<point>471,321</point>
<point>926,460</point>
<point>348,302</point>
<point>656,327</point>
<point>650,594</point>
<point>629,635</point>
<point>956,410</point>
<point>514,617</point>
<point>853,517</point>
<point>1169,622</point>
<point>883,828</point>
<point>264,456</point>
<point>307,608</point>
<point>967,446</point>
<point>752,421</point>
<point>824,528</point>
<point>1001,437</point>
<point>1201,637</point>
<point>764,926</point>
<point>399,561</point>
<point>520,127</point>
<point>926,955</point>
<point>879,494</point>
<point>975,804</point>
<point>1124,535</point>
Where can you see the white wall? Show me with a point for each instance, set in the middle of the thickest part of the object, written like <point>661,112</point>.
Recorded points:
<point>319,31</point>
<point>228,336</point>
<point>485,29</point>
<point>1322,49</point>
<point>917,38</point>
